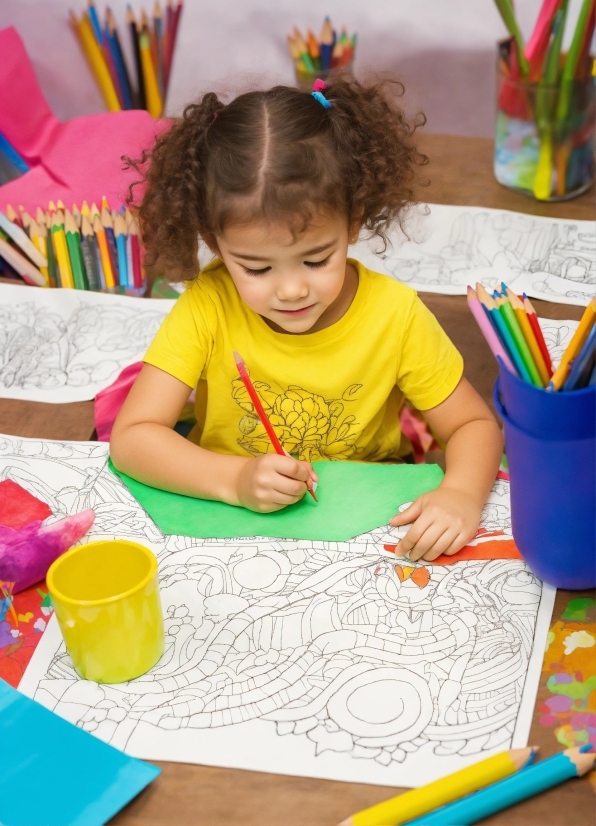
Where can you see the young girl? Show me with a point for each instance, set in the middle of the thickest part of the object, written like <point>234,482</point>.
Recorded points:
<point>278,184</point>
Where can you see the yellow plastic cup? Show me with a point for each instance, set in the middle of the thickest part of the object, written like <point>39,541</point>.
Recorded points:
<point>106,599</point>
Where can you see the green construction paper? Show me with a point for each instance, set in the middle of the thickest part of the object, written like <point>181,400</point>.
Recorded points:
<point>354,497</point>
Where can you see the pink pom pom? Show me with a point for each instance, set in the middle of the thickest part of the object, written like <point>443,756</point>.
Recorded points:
<point>319,85</point>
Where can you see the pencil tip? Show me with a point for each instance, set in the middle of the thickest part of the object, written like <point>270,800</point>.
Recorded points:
<point>238,358</point>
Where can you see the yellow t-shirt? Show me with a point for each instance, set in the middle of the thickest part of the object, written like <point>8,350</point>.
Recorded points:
<point>333,394</point>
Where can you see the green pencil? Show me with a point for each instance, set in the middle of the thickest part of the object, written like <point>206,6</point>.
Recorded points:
<point>508,315</point>
<point>74,252</point>
<point>571,61</point>
<point>506,10</point>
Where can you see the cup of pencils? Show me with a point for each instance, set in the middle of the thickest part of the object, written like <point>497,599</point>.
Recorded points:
<point>549,416</point>
<point>320,58</point>
<point>152,42</point>
<point>544,139</point>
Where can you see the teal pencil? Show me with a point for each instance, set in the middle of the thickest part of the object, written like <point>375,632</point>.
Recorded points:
<point>519,786</point>
<point>503,333</point>
<point>504,306</point>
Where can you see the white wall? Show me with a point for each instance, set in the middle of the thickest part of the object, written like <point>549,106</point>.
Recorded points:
<point>443,50</point>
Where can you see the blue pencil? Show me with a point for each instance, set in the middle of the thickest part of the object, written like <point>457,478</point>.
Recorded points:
<point>13,156</point>
<point>118,60</point>
<point>582,365</point>
<point>495,316</point>
<point>519,786</point>
<point>95,22</point>
<point>122,263</point>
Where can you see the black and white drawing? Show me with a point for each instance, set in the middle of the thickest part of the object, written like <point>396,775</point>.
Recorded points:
<point>65,346</point>
<point>454,246</point>
<point>333,660</point>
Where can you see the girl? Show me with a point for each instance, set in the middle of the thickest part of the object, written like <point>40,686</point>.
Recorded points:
<point>277,184</point>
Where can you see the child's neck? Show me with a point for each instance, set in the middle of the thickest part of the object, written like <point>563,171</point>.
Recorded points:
<point>334,312</point>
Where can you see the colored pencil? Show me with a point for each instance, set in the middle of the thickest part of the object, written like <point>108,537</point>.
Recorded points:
<point>254,397</point>
<point>582,365</point>
<point>88,254</point>
<point>106,222</point>
<point>29,273</point>
<point>118,60</point>
<point>74,252</point>
<point>504,306</point>
<point>154,102</point>
<point>7,149</point>
<point>488,331</point>
<point>534,323</point>
<point>39,236</point>
<point>326,44</point>
<point>503,331</point>
<point>22,240</point>
<point>120,236</point>
<point>506,11</point>
<point>159,56</point>
<point>106,263</point>
<point>131,23</point>
<point>417,802</point>
<point>519,786</point>
<point>528,334</point>
<point>96,59</point>
<point>585,325</point>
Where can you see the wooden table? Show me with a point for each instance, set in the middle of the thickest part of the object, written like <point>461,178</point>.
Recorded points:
<point>460,172</point>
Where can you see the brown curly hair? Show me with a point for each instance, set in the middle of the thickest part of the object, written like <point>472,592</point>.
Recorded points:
<point>272,154</point>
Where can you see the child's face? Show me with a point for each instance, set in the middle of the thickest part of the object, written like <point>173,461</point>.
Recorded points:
<point>295,283</point>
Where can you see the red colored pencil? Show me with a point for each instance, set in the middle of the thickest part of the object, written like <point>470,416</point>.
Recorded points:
<point>534,324</point>
<point>261,411</point>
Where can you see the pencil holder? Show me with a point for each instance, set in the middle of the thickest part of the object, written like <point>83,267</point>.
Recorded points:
<point>305,80</point>
<point>550,441</point>
<point>106,598</point>
<point>544,136</point>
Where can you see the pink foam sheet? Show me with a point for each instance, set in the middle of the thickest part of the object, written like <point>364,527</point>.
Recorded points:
<point>73,161</point>
<point>27,553</point>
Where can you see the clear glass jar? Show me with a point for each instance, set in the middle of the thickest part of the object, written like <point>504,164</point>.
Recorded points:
<point>544,135</point>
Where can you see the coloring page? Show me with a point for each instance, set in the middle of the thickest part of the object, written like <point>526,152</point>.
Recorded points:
<point>453,246</point>
<point>66,345</point>
<point>319,659</point>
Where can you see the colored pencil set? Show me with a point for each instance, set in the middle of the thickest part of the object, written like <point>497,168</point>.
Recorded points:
<point>86,249</point>
<point>474,793</point>
<point>329,52</point>
<point>510,326</point>
<point>152,43</point>
<point>555,91</point>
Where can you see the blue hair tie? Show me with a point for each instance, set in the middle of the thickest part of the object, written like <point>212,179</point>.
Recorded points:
<point>326,104</point>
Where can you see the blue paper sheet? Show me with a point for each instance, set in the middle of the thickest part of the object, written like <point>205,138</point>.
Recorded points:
<point>54,774</point>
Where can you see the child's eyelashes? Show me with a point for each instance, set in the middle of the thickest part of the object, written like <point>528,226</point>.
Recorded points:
<point>313,265</point>
<point>256,272</point>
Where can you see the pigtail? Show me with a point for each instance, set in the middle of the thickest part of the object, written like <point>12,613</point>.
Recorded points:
<point>172,212</point>
<point>375,144</point>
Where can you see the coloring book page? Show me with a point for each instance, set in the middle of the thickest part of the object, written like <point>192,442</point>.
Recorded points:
<point>66,345</point>
<point>317,659</point>
<point>453,246</point>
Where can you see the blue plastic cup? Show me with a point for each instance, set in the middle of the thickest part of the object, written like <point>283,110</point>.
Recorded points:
<point>552,468</point>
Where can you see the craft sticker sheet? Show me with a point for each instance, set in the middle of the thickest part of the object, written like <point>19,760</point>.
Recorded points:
<point>66,345</point>
<point>452,246</point>
<point>320,659</point>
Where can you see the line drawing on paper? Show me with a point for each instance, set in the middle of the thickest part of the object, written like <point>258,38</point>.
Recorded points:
<point>550,259</point>
<point>358,654</point>
<point>67,348</point>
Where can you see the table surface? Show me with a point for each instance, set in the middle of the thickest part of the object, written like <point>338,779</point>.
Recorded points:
<point>460,172</point>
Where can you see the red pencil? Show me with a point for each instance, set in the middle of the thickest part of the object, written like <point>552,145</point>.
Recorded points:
<point>534,324</point>
<point>261,412</point>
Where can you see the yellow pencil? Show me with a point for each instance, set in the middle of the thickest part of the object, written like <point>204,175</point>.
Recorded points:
<point>96,61</point>
<point>38,235</point>
<point>528,333</point>
<point>61,248</point>
<point>418,802</point>
<point>154,103</point>
<point>574,346</point>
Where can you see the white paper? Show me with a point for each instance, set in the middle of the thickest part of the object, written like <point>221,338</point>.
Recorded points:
<point>66,345</point>
<point>301,658</point>
<point>453,246</point>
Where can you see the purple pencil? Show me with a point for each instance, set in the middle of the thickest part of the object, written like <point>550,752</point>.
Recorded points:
<point>488,331</point>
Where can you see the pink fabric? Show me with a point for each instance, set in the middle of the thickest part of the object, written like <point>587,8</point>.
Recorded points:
<point>109,401</point>
<point>74,161</point>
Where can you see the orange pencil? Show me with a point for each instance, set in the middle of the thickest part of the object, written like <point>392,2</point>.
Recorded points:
<point>104,252</point>
<point>254,397</point>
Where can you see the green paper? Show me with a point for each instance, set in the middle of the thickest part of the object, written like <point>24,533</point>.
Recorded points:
<point>354,498</point>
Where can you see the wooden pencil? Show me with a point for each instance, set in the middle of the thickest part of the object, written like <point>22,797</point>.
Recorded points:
<point>158,33</point>
<point>96,60</point>
<point>88,254</point>
<point>18,235</point>
<point>154,102</point>
<point>106,222</point>
<point>131,24</point>
<point>120,236</point>
<point>533,319</point>
<point>38,235</point>
<point>61,250</point>
<point>28,272</point>
<point>74,251</point>
<point>585,325</point>
<point>528,333</point>
<point>104,253</point>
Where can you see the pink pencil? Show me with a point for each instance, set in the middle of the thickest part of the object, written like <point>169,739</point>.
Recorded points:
<point>488,330</point>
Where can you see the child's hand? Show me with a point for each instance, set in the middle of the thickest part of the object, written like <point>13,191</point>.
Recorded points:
<point>271,482</point>
<point>444,520</point>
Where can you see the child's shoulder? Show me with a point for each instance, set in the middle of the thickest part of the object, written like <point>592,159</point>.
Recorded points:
<point>213,281</point>
<point>383,288</point>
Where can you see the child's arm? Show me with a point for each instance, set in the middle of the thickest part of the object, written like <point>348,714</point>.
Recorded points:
<point>447,518</point>
<point>145,446</point>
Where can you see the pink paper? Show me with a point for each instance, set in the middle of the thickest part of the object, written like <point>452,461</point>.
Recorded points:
<point>109,401</point>
<point>74,161</point>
